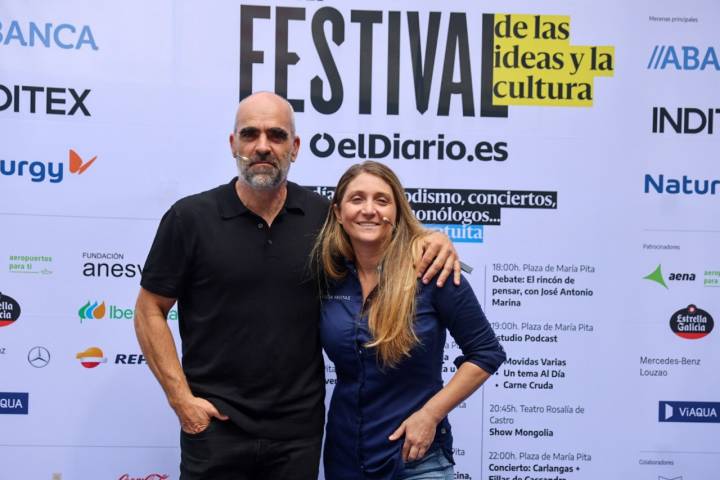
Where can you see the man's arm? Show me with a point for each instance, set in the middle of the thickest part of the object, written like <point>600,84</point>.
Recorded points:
<point>438,255</point>
<point>158,347</point>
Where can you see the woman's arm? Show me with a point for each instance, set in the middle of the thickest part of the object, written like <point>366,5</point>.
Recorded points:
<point>459,311</point>
<point>419,428</point>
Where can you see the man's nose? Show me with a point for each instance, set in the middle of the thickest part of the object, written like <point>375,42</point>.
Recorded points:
<point>262,146</point>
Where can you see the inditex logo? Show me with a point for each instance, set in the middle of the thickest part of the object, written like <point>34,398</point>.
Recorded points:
<point>42,99</point>
<point>683,57</point>
<point>38,172</point>
<point>688,412</point>
<point>658,277</point>
<point>91,357</point>
<point>36,34</point>
<point>691,323</point>
<point>14,403</point>
<point>684,120</point>
<point>9,310</point>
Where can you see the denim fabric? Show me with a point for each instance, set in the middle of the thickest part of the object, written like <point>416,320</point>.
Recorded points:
<point>433,466</point>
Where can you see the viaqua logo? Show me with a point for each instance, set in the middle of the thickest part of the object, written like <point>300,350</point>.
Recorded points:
<point>41,171</point>
<point>658,277</point>
<point>98,310</point>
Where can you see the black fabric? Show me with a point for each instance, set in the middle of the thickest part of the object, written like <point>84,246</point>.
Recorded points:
<point>224,452</point>
<point>248,307</point>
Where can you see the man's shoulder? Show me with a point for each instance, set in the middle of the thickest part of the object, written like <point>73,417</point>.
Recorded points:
<point>311,198</point>
<point>202,201</point>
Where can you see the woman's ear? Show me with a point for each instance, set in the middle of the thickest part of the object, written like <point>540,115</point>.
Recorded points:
<point>336,211</point>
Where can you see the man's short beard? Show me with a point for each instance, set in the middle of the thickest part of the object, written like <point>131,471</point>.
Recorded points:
<point>265,180</point>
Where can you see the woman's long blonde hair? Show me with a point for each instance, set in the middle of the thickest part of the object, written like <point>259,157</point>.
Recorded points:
<point>392,310</point>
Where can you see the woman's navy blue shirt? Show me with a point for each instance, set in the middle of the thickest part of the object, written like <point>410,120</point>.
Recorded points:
<point>370,401</point>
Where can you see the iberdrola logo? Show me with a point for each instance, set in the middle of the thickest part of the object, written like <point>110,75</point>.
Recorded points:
<point>91,311</point>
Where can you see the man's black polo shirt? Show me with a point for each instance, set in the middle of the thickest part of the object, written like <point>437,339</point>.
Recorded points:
<point>248,307</point>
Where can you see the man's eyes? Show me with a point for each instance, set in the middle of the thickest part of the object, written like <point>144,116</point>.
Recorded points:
<point>274,135</point>
<point>277,135</point>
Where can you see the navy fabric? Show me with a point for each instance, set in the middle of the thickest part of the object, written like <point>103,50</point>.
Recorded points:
<point>370,401</point>
<point>248,307</point>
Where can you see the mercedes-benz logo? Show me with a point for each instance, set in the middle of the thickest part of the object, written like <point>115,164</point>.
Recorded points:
<point>38,357</point>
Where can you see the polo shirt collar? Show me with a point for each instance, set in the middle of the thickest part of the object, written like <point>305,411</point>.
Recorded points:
<point>229,204</point>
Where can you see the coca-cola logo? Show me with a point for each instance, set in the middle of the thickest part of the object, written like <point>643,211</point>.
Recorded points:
<point>152,476</point>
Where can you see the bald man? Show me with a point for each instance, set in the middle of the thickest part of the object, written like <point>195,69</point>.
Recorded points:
<point>249,394</point>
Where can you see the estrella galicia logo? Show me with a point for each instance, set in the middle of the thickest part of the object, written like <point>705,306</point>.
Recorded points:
<point>9,310</point>
<point>658,277</point>
<point>31,34</point>
<point>685,57</point>
<point>691,323</point>
<point>14,403</point>
<point>91,311</point>
<point>688,412</point>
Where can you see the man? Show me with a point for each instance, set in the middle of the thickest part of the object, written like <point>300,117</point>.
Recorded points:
<point>249,394</point>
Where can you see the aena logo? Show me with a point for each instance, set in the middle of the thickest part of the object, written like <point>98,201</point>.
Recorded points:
<point>658,277</point>
<point>42,171</point>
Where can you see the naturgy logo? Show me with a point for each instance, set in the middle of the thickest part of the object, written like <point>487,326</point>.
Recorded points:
<point>42,171</point>
<point>31,34</point>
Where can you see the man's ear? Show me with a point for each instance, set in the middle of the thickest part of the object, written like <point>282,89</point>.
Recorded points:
<point>295,149</point>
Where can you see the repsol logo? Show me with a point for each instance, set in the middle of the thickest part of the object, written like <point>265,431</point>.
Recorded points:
<point>685,57</point>
<point>38,172</point>
<point>31,34</point>
<point>684,120</point>
<point>47,100</point>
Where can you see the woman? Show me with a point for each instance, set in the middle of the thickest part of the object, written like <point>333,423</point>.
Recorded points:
<point>385,333</point>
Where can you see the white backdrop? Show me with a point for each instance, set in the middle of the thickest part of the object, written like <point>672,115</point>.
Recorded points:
<point>564,200</point>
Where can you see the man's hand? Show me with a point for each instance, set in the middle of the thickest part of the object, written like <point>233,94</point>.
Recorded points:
<point>195,413</point>
<point>419,430</point>
<point>438,255</point>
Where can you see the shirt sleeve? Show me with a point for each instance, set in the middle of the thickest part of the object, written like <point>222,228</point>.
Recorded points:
<point>460,312</point>
<point>167,262</point>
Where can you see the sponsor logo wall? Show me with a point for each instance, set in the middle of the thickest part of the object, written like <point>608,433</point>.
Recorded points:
<point>568,150</point>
